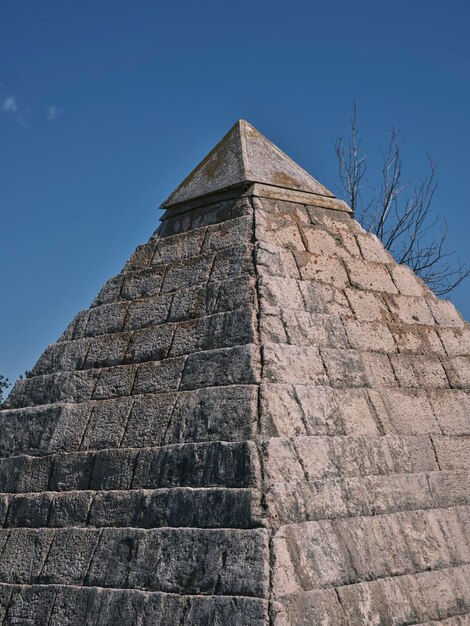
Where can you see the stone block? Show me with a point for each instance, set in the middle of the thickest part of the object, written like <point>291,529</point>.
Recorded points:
<point>345,368</point>
<point>113,469</point>
<point>223,330</point>
<point>410,310</point>
<point>278,292</point>
<point>106,425</point>
<point>24,553</point>
<point>190,561</point>
<point>180,246</point>
<point>331,219</point>
<point>378,370</point>
<point>233,262</point>
<point>317,267</point>
<point>148,420</point>
<point>27,431</point>
<point>20,474</point>
<point>324,298</point>
<point>106,351</point>
<point>458,371</point>
<point>289,410</point>
<point>71,425</point>
<point>230,611</point>
<point>106,319</point>
<point>389,494</point>
<point>62,356</point>
<point>320,606</point>
<point>456,340</point>
<point>322,242</point>
<point>372,248</point>
<point>292,364</point>
<point>193,303</point>
<point>308,556</point>
<point>229,234</point>
<point>416,339</point>
<point>51,388</point>
<point>370,276</point>
<point>369,336</point>
<point>228,366</point>
<point>142,283</point>
<point>309,329</point>
<point>188,273</point>
<point>158,376</point>
<point>452,452</point>
<point>276,261</point>
<point>111,292</point>
<point>218,464</point>
<point>114,382</point>
<point>282,209</point>
<point>68,387</point>
<point>419,371</point>
<point>408,599</point>
<point>452,410</point>
<point>220,212</point>
<point>367,306</point>
<point>273,229</point>
<point>29,511</point>
<point>76,328</point>
<point>70,509</point>
<point>141,257</point>
<point>272,328</point>
<point>150,344</point>
<point>450,488</point>
<point>69,556</point>
<point>445,313</point>
<point>217,413</point>
<point>71,472</point>
<point>406,412</point>
<point>406,280</point>
<point>29,606</point>
<point>231,294</point>
<point>148,312</point>
<point>357,415</point>
<point>178,507</point>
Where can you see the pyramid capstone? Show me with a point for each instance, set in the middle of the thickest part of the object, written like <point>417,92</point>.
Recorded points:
<point>262,420</point>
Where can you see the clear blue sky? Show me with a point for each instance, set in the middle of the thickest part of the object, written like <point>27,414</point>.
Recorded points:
<point>106,106</point>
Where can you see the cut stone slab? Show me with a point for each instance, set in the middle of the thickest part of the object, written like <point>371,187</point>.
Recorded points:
<point>244,156</point>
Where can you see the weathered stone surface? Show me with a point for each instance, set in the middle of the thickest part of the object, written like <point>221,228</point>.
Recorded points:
<point>244,155</point>
<point>408,599</point>
<point>229,366</point>
<point>263,419</point>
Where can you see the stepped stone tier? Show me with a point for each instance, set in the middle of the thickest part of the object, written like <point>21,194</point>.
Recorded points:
<point>262,420</point>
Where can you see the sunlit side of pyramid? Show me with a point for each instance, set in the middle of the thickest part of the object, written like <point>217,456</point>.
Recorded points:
<point>263,420</point>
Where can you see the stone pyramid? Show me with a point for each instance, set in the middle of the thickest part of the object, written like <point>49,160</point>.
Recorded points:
<point>262,420</point>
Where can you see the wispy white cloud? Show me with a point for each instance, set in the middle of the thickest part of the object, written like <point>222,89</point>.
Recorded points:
<point>52,113</point>
<point>9,105</point>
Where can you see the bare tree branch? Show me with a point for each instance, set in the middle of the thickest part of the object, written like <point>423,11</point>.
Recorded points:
<point>352,167</point>
<point>403,220</point>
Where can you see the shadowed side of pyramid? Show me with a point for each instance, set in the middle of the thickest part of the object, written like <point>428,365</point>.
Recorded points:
<point>261,420</point>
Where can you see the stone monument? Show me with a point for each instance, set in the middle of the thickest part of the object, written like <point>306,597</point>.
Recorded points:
<point>263,420</point>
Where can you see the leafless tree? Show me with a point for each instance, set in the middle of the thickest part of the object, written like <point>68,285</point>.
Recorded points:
<point>4,384</point>
<point>401,216</point>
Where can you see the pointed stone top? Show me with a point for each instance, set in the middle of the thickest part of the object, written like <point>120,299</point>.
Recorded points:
<point>244,156</point>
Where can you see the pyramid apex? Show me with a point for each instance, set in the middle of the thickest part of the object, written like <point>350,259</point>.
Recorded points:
<point>244,156</point>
